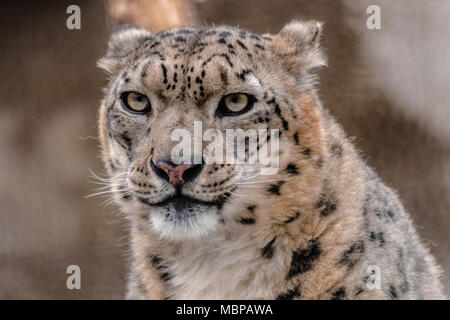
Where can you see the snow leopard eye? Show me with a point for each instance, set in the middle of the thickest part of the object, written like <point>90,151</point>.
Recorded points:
<point>135,102</point>
<point>235,104</point>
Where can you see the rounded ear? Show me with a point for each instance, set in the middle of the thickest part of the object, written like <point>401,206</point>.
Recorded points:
<point>298,46</point>
<point>124,40</point>
<point>303,34</point>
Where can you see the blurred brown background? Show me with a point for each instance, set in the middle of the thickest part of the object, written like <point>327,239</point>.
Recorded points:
<point>389,88</point>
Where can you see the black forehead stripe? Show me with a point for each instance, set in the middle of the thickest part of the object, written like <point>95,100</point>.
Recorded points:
<point>241,44</point>
<point>154,53</point>
<point>243,74</point>
<point>164,71</point>
<point>180,39</point>
<point>145,61</point>
<point>157,43</point>
<point>223,55</point>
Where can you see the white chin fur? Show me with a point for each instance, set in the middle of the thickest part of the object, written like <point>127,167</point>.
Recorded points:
<point>196,227</point>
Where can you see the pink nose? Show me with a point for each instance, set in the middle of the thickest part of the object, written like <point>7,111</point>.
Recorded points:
<point>175,173</point>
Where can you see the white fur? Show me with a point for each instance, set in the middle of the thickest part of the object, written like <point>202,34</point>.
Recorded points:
<point>203,223</point>
<point>221,268</point>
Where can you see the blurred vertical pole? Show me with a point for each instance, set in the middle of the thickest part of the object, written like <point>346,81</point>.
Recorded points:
<point>153,15</point>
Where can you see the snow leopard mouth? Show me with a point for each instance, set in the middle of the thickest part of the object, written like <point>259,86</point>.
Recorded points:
<point>179,202</point>
<point>181,217</point>
<point>178,206</point>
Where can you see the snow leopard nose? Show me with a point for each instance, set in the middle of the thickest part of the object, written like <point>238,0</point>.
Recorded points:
<point>176,174</point>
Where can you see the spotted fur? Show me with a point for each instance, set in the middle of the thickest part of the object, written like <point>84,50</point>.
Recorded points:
<point>308,232</point>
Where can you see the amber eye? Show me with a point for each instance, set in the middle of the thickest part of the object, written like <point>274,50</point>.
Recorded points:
<point>235,104</point>
<point>136,102</point>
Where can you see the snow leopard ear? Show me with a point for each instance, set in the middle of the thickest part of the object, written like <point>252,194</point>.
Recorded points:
<point>298,45</point>
<point>124,40</point>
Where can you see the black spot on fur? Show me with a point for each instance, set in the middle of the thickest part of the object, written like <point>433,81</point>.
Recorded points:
<point>358,291</point>
<point>319,162</point>
<point>404,285</point>
<point>339,294</point>
<point>222,199</point>
<point>351,256</point>
<point>157,43</point>
<point>283,120</point>
<point>296,138</point>
<point>164,71</point>
<point>291,294</point>
<point>392,292</point>
<point>144,201</point>
<point>275,188</point>
<point>294,217</point>
<point>302,259</point>
<point>112,166</point>
<point>158,264</point>
<point>336,149</point>
<point>292,169</point>
<point>126,138</point>
<point>267,251</point>
<point>326,206</point>
<point>224,77</point>
<point>258,46</point>
<point>326,203</point>
<point>377,237</point>
<point>239,42</point>
<point>243,74</point>
<point>165,276</point>
<point>271,101</point>
<point>247,220</point>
